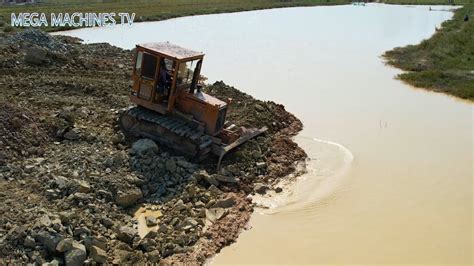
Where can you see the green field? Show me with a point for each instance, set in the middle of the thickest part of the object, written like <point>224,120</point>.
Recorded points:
<point>443,63</point>
<point>427,2</point>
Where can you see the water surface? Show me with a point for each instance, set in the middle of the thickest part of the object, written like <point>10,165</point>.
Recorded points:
<point>390,176</point>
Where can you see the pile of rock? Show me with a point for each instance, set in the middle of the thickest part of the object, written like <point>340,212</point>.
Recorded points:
<point>39,38</point>
<point>70,190</point>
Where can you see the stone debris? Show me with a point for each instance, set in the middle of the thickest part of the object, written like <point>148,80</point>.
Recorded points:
<point>81,186</point>
<point>126,234</point>
<point>224,203</point>
<point>76,255</point>
<point>64,245</point>
<point>49,240</point>
<point>29,242</point>
<point>98,255</point>
<point>151,221</point>
<point>154,256</point>
<point>128,198</point>
<point>72,134</point>
<point>203,175</point>
<point>142,146</point>
<point>260,188</point>
<point>225,179</point>
<point>188,223</point>
<point>214,214</point>
<point>71,179</point>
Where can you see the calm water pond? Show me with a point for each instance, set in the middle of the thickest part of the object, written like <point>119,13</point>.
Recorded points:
<point>390,176</point>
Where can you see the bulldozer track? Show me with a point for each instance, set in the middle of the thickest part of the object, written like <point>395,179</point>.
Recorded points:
<point>185,136</point>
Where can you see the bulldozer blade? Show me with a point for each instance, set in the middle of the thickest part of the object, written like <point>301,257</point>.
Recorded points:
<point>221,151</point>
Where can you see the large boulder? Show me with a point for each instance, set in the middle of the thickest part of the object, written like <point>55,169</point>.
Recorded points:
<point>48,240</point>
<point>36,56</point>
<point>61,182</point>
<point>142,146</point>
<point>128,198</point>
<point>97,254</point>
<point>224,203</point>
<point>203,175</point>
<point>126,234</point>
<point>64,245</point>
<point>225,179</point>
<point>188,223</point>
<point>260,188</point>
<point>214,214</point>
<point>43,221</point>
<point>151,221</point>
<point>81,186</point>
<point>67,216</point>
<point>72,134</point>
<point>154,256</point>
<point>76,255</point>
<point>29,242</point>
<point>55,262</point>
<point>171,165</point>
<point>179,205</point>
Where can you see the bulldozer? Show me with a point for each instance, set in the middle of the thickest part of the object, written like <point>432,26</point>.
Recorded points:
<point>171,108</point>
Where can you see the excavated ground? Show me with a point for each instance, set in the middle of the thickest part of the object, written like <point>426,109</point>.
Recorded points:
<point>71,182</point>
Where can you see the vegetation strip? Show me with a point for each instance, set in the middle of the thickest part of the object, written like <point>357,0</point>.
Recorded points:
<point>443,63</point>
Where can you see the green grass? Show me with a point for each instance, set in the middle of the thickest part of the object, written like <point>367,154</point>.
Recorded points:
<point>426,2</point>
<point>443,63</point>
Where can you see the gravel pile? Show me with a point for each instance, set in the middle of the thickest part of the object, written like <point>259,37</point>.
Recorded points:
<point>39,38</point>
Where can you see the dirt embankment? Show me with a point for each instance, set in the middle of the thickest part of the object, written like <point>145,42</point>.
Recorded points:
<point>70,181</point>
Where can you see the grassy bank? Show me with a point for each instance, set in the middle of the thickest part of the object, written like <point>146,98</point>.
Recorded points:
<point>154,10</point>
<point>443,63</point>
<point>425,2</point>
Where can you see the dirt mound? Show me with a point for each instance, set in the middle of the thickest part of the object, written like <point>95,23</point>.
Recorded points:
<point>21,133</point>
<point>39,38</point>
<point>72,181</point>
<point>247,111</point>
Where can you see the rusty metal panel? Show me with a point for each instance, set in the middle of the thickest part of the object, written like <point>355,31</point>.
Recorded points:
<point>145,91</point>
<point>171,50</point>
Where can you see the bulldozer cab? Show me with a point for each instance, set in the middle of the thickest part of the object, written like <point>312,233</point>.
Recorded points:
<point>166,80</point>
<point>161,72</point>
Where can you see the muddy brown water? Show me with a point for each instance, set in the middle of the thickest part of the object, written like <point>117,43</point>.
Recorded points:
<point>390,175</point>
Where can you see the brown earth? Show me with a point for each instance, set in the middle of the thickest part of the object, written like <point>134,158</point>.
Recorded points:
<point>70,181</point>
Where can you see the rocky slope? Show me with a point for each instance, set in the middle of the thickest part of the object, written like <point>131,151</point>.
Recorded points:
<point>71,182</point>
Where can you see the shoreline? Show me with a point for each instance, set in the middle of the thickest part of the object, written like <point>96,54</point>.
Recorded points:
<point>76,180</point>
<point>439,63</point>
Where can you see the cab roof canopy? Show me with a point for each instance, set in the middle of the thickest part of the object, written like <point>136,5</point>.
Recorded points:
<point>171,50</point>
